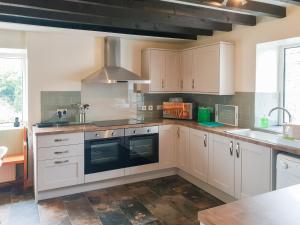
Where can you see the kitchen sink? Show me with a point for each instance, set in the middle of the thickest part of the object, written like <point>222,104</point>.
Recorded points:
<point>254,134</point>
<point>277,139</point>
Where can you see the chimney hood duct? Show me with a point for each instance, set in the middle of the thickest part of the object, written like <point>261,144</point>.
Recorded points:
<point>112,72</point>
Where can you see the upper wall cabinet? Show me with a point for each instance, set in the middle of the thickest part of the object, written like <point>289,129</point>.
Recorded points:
<point>204,70</point>
<point>212,69</point>
<point>163,69</point>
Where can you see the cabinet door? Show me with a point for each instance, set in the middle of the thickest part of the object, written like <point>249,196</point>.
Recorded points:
<point>207,69</point>
<point>253,169</point>
<point>199,154</point>
<point>187,70</point>
<point>221,163</point>
<point>157,70</point>
<point>183,159</point>
<point>167,152</point>
<point>61,172</point>
<point>172,75</point>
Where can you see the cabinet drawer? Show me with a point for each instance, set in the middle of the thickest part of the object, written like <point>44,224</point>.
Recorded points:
<point>60,152</point>
<point>59,140</point>
<point>59,173</point>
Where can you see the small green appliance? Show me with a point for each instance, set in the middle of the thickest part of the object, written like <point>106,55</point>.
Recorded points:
<point>204,114</point>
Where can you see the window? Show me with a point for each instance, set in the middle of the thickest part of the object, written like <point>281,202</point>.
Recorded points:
<point>12,85</point>
<point>291,83</point>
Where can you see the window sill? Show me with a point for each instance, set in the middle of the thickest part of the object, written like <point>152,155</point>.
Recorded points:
<point>4,128</point>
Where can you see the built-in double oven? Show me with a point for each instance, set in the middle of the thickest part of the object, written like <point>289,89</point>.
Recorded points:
<point>120,148</point>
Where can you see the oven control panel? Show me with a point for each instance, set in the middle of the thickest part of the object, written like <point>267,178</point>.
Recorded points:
<point>103,134</point>
<point>141,131</point>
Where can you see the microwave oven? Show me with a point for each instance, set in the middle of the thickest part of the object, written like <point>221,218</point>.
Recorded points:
<point>178,110</point>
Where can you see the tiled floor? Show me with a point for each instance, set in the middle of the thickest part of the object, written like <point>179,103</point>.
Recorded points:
<point>169,201</point>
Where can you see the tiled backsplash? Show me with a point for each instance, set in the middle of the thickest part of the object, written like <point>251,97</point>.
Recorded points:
<point>110,101</point>
<point>118,102</point>
<point>53,100</point>
<point>245,101</point>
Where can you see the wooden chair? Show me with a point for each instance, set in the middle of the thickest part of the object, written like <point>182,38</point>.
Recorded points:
<point>20,159</point>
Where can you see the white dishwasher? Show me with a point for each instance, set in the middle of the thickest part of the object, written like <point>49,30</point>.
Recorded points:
<point>287,171</point>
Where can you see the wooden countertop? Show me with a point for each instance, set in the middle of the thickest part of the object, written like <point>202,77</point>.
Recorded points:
<point>160,122</point>
<point>281,207</point>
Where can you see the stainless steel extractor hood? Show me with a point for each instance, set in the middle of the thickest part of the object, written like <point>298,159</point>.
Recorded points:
<point>112,72</point>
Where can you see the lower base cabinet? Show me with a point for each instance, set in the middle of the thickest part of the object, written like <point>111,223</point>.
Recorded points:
<point>167,151</point>
<point>199,154</point>
<point>253,170</point>
<point>238,168</point>
<point>221,163</point>
<point>58,173</point>
<point>182,148</point>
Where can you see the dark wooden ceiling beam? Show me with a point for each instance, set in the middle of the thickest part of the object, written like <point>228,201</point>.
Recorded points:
<point>174,9</point>
<point>248,6</point>
<point>127,14</point>
<point>84,22</point>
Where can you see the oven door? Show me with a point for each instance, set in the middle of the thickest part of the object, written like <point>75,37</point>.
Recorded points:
<point>142,149</point>
<point>105,154</point>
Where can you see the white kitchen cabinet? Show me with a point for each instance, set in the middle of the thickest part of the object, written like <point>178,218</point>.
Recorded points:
<point>162,67</point>
<point>58,173</point>
<point>58,161</point>
<point>53,140</point>
<point>238,168</point>
<point>221,163</point>
<point>172,71</point>
<point>253,169</point>
<point>182,148</point>
<point>199,154</point>
<point>187,79</point>
<point>167,152</point>
<point>213,69</point>
<point>205,69</point>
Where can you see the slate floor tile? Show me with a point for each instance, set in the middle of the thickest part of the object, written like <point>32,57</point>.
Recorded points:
<point>80,211</point>
<point>23,212</point>
<point>102,201</point>
<point>114,218</point>
<point>137,213</point>
<point>53,212</point>
<point>164,201</point>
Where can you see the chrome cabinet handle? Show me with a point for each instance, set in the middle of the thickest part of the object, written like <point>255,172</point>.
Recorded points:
<point>60,140</point>
<point>178,132</point>
<point>61,162</point>
<point>162,83</point>
<point>193,83</point>
<point>231,148</point>
<point>205,140</point>
<point>63,152</point>
<point>237,150</point>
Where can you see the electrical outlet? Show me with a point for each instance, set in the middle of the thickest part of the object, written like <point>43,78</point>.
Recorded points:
<point>144,108</point>
<point>159,107</point>
<point>61,112</point>
<point>150,107</point>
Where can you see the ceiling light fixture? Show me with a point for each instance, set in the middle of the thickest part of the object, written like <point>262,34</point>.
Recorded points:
<point>242,2</point>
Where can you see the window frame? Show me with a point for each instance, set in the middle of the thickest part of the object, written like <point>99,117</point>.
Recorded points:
<point>282,80</point>
<point>22,55</point>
